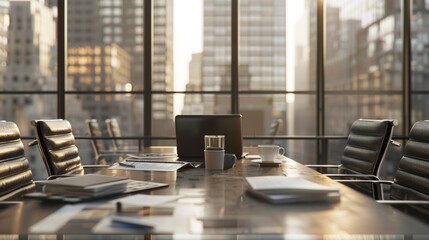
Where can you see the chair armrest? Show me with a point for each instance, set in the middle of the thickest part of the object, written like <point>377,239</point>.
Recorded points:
<point>340,175</point>
<point>405,202</point>
<point>395,143</point>
<point>364,181</point>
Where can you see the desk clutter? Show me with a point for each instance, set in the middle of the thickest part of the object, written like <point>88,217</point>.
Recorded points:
<point>90,187</point>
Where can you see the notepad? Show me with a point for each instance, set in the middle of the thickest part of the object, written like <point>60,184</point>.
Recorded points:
<point>282,189</point>
<point>92,185</point>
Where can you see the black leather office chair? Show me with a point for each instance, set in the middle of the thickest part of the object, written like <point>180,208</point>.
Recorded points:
<point>114,132</point>
<point>410,187</point>
<point>365,150</point>
<point>58,149</point>
<point>411,180</point>
<point>101,153</point>
<point>15,173</point>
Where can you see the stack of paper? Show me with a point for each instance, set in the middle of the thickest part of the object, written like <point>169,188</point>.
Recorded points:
<point>282,189</point>
<point>90,185</point>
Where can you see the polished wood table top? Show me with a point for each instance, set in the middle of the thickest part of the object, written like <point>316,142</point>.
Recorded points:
<point>224,207</point>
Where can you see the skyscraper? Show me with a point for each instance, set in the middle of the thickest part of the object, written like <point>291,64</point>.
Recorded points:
<point>30,62</point>
<point>31,66</point>
<point>262,59</point>
<point>100,22</point>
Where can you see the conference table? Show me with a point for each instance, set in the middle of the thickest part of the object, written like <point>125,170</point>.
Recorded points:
<point>215,205</point>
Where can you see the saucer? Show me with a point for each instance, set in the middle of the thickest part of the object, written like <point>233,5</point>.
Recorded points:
<point>259,161</point>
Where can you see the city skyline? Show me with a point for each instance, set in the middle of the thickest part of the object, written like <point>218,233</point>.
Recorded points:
<point>362,68</point>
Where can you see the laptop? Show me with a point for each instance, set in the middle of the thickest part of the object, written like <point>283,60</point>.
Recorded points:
<point>190,131</point>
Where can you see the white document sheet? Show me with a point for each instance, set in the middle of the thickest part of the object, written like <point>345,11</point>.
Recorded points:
<point>178,223</point>
<point>56,220</point>
<point>143,200</point>
<point>149,166</point>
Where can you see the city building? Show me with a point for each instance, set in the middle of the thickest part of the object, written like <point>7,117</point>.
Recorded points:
<point>31,66</point>
<point>262,60</point>
<point>93,23</point>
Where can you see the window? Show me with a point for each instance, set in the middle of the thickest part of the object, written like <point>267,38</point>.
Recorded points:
<point>191,64</point>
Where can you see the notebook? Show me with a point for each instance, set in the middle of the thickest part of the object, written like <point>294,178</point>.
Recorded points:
<point>283,189</point>
<point>190,131</point>
<point>90,187</point>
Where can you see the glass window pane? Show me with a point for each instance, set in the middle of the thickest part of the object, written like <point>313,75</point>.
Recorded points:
<point>126,108</point>
<point>420,60</point>
<point>102,52</point>
<point>216,59</point>
<point>363,45</point>
<point>301,45</point>
<point>262,45</point>
<point>342,110</point>
<point>363,53</point>
<point>420,108</point>
<point>296,114</point>
<point>207,104</point>
<point>260,111</point>
<point>27,46</point>
<point>22,108</point>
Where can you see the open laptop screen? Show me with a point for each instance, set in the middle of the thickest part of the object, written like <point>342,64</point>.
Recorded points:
<point>190,131</point>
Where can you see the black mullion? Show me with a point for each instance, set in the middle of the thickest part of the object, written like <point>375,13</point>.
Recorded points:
<point>320,80</point>
<point>235,54</point>
<point>406,65</point>
<point>147,97</point>
<point>62,57</point>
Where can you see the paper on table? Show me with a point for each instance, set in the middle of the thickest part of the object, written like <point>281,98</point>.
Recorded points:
<point>150,166</point>
<point>56,220</point>
<point>291,185</point>
<point>146,200</point>
<point>177,224</point>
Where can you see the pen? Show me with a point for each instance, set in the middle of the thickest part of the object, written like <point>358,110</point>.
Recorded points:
<point>126,165</point>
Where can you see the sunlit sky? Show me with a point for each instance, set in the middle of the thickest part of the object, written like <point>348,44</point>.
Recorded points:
<point>188,28</point>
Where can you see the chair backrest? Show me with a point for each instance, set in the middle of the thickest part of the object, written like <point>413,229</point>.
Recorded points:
<point>411,180</point>
<point>15,174</point>
<point>367,145</point>
<point>94,130</point>
<point>114,132</point>
<point>57,146</point>
<point>275,127</point>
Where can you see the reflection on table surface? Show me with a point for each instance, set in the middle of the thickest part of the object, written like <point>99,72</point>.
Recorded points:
<point>221,208</point>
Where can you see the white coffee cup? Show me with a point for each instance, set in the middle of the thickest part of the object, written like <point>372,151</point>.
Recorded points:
<point>214,159</point>
<point>269,153</point>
